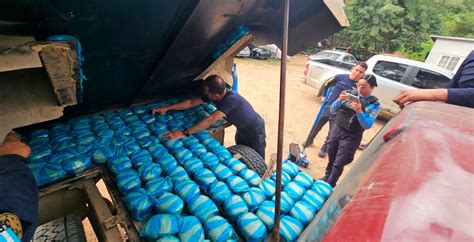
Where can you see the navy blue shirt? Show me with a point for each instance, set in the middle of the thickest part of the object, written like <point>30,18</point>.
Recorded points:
<point>238,111</point>
<point>461,86</point>
<point>341,82</point>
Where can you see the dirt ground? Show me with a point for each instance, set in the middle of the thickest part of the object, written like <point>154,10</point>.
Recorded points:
<point>259,82</point>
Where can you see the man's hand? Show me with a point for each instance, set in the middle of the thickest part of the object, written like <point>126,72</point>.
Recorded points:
<point>421,95</point>
<point>160,110</point>
<point>177,134</point>
<point>12,146</point>
<point>357,107</point>
<point>342,96</point>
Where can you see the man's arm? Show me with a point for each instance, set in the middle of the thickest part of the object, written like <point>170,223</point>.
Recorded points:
<point>203,124</point>
<point>186,104</point>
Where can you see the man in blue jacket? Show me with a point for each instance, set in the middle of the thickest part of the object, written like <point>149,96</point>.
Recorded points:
<point>460,89</point>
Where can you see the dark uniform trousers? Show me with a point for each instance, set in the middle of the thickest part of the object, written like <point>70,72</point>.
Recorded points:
<point>342,147</point>
<point>253,136</point>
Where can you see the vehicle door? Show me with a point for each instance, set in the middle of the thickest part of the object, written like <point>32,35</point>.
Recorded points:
<point>390,82</point>
<point>349,59</point>
<point>426,79</point>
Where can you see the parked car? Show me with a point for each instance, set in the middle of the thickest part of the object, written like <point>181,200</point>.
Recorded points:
<point>334,55</point>
<point>245,52</point>
<point>394,75</point>
<point>256,52</point>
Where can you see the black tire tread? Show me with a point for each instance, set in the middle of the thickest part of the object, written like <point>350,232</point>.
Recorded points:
<point>250,158</point>
<point>67,228</point>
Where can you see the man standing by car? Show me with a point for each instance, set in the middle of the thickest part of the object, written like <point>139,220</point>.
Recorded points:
<point>250,126</point>
<point>342,82</point>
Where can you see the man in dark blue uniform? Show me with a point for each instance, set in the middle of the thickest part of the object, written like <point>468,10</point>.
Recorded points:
<point>460,89</point>
<point>353,115</point>
<point>250,126</point>
<point>342,82</point>
<point>18,192</point>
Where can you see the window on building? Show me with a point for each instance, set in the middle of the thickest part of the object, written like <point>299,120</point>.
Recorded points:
<point>390,70</point>
<point>448,62</point>
<point>429,79</point>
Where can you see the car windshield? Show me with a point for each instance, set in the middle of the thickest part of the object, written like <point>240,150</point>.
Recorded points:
<point>326,55</point>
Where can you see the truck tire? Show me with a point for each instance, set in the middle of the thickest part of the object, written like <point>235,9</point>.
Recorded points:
<point>67,228</point>
<point>250,158</point>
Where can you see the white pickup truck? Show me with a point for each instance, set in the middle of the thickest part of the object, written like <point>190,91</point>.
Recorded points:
<point>394,75</point>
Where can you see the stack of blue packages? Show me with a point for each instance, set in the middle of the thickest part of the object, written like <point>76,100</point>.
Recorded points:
<point>219,191</point>
<point>169,203</point>
<point>266,213</point>
<point>139,204</point>
<point>253,197</point>
<point>202,207</point>
<point>234,206</point>
<point>158,186</point>
<point>190,229</point>
<point>218,229</point>
<point>159,226</point>
<point>187,190</point>
<point>252,227</point>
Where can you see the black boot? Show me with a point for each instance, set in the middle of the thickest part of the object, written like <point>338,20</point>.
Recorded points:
<point>323,151</point>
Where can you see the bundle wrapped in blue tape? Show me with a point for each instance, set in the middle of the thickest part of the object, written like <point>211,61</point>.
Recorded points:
<point>204,178</point>
<point>149,171</point>
<point>138,125</point>
<point>303,212</point>
<point>100,127</point>
<point>140,158</point>
<point>148,119</point>
<point>221,172</point>
<point>177,114</point>
<point>209,159</point>
<point>125,112</point>
<point>159,226</point>
<point>117,123</point>
<point>141,133</point>
<point>266,213</point>
<point>84,148</point>
<point>169,203</point>
<point>237,184</point>
<point>157,126</point>
<point>109,115</point>
<point>252,227</point>
<point>163,118</point>
<point>193,165</point>
<point>85,138</point>
<point>118,163</point>
<point>157,151</point>
<point>128,148</point>
<point>122,140</point>
<point>222,153</point>
<point>56,140</point>
<point>190,141</point>
<point>168,238</point>
<point>210,143</point>
<point>303,179</point>
<point>294,190</point>
<point>147,141</point>
<point>186,190</point>
<point>285,178</point>
<point>219,191</point>
<point>105,133</point>
<point>77,164</point>
<point>174,144</point>
<point>131,118</point>
<point>160,132</point>
<point>123,130</point>
<point>253,197</point>
<point>103,153</point>
<point>290,168</point>
<point>202,135</point>
<point>202,207</point>
<point>268,187</point>
<point>190,229</point>
<point>251,177</point>
<point>47,173</point>
<point>218,229</point>
<point>57,158</point>
<point>179,174</point>
<point>234,206</point>
<point>127,181</point>
<point>209,107</point>
<point>167,160</point>
<point>158,186</point>
<point>60,146</point>
<point>139,204</point>
<point>235,165</point>
<point>290,228</point>
<point>198,150</point>
<point>40,155</point>
<point>286,202</point>
<point>314,199</point>
<point>182,155</point>
<point>140,109</point>
<point>322,188</point>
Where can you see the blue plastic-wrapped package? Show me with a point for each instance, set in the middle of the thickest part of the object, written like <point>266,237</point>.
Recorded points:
<point>219,191</point>
<point>202,115</point>
<point>68,153</point>
<point>253,197</point>
<point>314,199</point>
<point>222,153</point>
<point>294,190</point>
<point>266,213</point>
<point>237,184</point>
<point>57,139</point>
<point>141,133</point>
<point>234,206</point>
<point>138,125</point>
<point>323,188</point>
<point>169,168</point>
<point>209,107</point>
<point>303,179</point>
<point>57,158</point>
<point>190,141</point>
<point>251,177</point>
<point>204,178</point>
<point>60,146</point>
<point>116,123</point>
<point>163,118</point>
<point>77,164</point>
<point>59,128</point>
<point>193,165</point>
<point>303,212</point>
<point>168,203</point>
<point>149,171</point>
<point>268,187</point>
<point>159,226</point>
<point>221,172</point>
<point>109,115</point>
<point>139,204</point>
<point>158,186</point>
<point>190,229</point>
<point>202,135</point>
<point>198,150</point>
<point>125,112</point>
<point>252,227</point>
<point>122,140</point>
<point>235,165</point>
<point>47,173</point>
<point>140,158</point>
<point>202,207</point>
<point>290,168</point>
<point>140,109</point>
<point>128,181</point>
<point>122,131</point>
<point>128,148</point>
<point>167,160</point>
<point>101,127</point>
<point>157,151</point>
<point>160,132</point>
<point>182,155</point>
<point>103,153</point>
<point>209,159</point>
<point>211,144</point>
<point>286,202</point>
<point>147,141</point>
<point>186,190</point>
<point>40,155</point>
<point>119,163</point>
<point>84,148</point>
<point>285,178</point>
<point>168,238</point>
<point>131,118</point>
<point>157,126</point>
<point>290,228</point>
<point>179,174</point>
<point>174,144</point>
<point>148,119</point>
<point>177,114</point>
<point>105,133</point>
<point>218,229</point>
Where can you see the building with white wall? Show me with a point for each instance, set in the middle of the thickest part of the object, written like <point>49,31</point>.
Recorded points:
<point>449,52</point>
